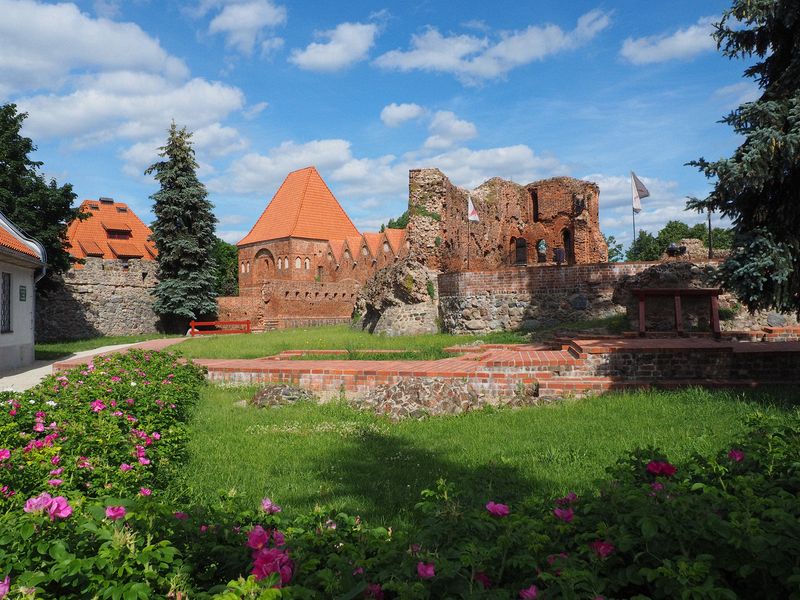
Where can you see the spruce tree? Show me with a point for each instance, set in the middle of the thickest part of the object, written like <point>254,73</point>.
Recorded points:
<point>758,187</point>
<point>183,233</point>
<point>40,208</point>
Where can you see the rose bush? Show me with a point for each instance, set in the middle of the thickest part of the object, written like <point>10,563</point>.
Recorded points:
<point>87,458</point>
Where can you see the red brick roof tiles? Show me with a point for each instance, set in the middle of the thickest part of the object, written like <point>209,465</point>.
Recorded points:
<point>303,207</point>
<point>395,237</point>
<point>373,242</point>
<point>9,239</point>
<point>91,237</point>
<point>337,247</point>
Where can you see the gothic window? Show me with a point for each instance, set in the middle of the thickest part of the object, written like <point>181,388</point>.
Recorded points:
<point>347,256</point>
<point>307,264</point>
<point>386,247</point>
<point>520,251</point>
<point>364,251</point>
<point>279,264</point>
<point>242,266</point>
<point>535,205</point>
<point>297,263</point>
<point>286,262</point>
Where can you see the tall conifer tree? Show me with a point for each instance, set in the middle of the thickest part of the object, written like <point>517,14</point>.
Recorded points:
<point>183,233</point>
<point>758,187</point>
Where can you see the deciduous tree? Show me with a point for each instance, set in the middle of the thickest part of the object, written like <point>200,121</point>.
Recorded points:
<point>41,208</point>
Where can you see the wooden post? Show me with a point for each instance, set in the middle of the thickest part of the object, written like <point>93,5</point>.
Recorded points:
<point>715,316</point>
<point>678,314</point>
<point>641,315</point>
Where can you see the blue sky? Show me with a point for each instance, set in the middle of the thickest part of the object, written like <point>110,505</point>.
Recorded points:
<point>366,90</point>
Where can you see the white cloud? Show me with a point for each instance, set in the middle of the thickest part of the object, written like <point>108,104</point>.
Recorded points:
<point>243,23</point>
<point>394,115</point>
<point>682,44</point>
<point>108,9</point>
<point>473,59</point>
<point>232,236</point>
<point>738,93</point>
<point>128,105</point>
<point>270,46</point>
<point>262,173</point>
<point>254,110</point>
<point>447,129</point>
<point>347,44</point>
<point>41,45</point>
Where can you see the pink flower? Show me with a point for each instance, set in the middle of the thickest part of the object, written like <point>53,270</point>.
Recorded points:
<point>330,524</point>
<point>374,591</point>
<point>57,471</point>
<point>257,538</point>
<point>565,514</point>
<point>529,593</point>
<point>115,513</point>
<point>55,460</point>
<point>155,435</point>
<point>55,482</point>
<point>5,453</point>
<point>125,467</point>
<point>203,528</point>
<point>116,379</point>
<point>358,571</point>
<point>602,548</point>
<point>570,498</point>
<point>425,570</point>
<point>278,538</point>
<point>736,455</point>
<point>39,427</point>
<point>38,503</point>
<point>143,491</point>
<point>5,586</point>
<point>97,405</point>
<point>483,579</point>
<point>83,463</point>
<point>497,510</point>
<point>59,508</point>
<point>144,461</point>
<point>269,507</point>
<point>273,560</point>
<point>660,467</point>
<point>181,516</point>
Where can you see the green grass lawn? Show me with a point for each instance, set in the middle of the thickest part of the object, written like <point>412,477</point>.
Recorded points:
<point>56,350</point>
<point>335,337</point>
<point>330,455</point>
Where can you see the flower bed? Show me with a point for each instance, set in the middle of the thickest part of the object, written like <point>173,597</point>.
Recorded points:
<point>87,459</point>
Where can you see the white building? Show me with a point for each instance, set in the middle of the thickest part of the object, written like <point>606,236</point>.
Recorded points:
<point>22,264</point>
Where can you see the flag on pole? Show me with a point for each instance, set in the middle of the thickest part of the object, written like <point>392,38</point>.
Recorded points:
<point>472,214</point>
<point>639,191</point>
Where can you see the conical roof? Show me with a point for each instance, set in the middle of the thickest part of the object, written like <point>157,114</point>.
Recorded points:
<point>303,207</point>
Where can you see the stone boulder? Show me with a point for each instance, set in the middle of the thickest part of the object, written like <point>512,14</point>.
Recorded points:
<point>401,299</point>
<point>419,397</point>
<point>273,396</point>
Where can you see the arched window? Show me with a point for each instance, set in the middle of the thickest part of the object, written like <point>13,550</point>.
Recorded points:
<point>242,266</point>
<point>286,262</point>
<point>307,264</point>
<point>386,247</point>
<point>541,251</point>
<point>347,256</point>
<point>297,263</point>
<point>248,266</point>
<point>535,205</point>
<point>569,251</point>
<point>364,251</point>
<point>280,264</point>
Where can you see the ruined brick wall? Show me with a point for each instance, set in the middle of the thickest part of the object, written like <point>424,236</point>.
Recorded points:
<point>545,296</point>
<point>105,297</point>
<point>563,212</point>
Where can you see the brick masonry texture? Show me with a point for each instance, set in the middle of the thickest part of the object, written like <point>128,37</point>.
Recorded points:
<point>105,297</point>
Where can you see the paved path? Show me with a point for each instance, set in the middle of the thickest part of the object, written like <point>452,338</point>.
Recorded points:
<point>20,380</point>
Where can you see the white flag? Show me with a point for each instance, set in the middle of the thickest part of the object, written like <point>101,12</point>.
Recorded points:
<point>472,214</point>
<point>638,192</point>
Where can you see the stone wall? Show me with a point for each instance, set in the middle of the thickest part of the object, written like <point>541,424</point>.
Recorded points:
<point>529,297</point>
<point>534,297</point>
<point>104,297</point>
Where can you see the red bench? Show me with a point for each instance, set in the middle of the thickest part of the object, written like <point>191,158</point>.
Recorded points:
<point>677,293</point>
<point>193,331</point>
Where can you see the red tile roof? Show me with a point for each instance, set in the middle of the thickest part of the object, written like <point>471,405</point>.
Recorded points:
<point>9,239</point>
<point>92,236</point>
<point>396,237</point>
<point>373,242</point>
<point>303,207</point>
